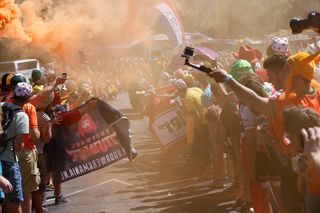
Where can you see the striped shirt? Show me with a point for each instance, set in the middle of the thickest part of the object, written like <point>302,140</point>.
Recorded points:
<point>43,119</point>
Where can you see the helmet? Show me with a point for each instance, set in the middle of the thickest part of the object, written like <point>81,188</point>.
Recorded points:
<point>36,75</point>
<point>5,82</point>
<point>17,78</point>
<point>240,68</point>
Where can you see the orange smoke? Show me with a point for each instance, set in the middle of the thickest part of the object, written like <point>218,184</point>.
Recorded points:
<point>8,12</point>
<point>134,26</point>
<point>10,24</point>
<point>74,28</point>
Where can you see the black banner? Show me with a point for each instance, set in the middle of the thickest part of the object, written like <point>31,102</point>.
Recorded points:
<point>89,144</point>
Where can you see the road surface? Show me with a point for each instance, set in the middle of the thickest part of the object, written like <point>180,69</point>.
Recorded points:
<point>151,183</point>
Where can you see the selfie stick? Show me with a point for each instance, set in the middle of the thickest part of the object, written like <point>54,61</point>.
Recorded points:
<point>198,67</point>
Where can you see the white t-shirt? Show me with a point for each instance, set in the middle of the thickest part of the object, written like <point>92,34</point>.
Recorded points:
<point>248,119</point>
<point>18,125</point>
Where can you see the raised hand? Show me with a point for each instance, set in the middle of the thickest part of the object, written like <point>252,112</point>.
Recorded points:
<point>218,74</point>
<point>311,138</point>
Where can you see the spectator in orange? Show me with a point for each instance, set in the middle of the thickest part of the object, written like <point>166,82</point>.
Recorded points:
<point>301,69</point>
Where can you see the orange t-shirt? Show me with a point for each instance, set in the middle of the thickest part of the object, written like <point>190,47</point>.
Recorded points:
<point>314,181</point>
<point>314,84</point>
<point>30,110</point>
<point>277,120</point>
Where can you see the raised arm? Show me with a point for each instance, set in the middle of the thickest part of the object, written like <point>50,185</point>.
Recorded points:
<point>46,92</point>
<point>244,94</point>
<point>222,95</point>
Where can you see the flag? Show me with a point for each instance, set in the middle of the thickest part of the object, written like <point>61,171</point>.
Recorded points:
<point>171,20</point>
<point>100,138</point>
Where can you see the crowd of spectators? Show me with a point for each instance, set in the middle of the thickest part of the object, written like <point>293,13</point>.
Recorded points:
<point>261,114</point>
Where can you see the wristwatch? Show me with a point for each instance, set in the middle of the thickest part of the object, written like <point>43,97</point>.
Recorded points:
<point>227,79</point>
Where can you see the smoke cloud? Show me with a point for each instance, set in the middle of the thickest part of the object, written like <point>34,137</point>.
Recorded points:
<point>10,25</point>
<point>71,29</point>
<point>8,13</point>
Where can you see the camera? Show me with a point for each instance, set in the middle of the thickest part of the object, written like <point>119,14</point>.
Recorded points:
<point>312,21</point>
<point>188,52</point>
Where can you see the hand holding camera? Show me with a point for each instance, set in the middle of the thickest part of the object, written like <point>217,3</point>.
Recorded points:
<point>219,75</point>
<point>312,21</point>
<point>189,53</point>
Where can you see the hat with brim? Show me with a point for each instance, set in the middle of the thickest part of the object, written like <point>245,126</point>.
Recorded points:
<point>248,53</point>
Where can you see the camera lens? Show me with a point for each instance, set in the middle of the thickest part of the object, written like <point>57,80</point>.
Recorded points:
<point>295,25</point>
<point>299,25</point>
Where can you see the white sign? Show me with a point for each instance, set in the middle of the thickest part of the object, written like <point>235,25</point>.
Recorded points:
<point>169,127</point>
<point>172,20</point>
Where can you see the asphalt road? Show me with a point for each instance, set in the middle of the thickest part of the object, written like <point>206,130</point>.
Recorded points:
<point>151,183</point>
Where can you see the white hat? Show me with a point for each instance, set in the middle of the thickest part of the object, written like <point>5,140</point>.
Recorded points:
<point>280,45</point>
<point>180,84</point>
<point>23,89</point>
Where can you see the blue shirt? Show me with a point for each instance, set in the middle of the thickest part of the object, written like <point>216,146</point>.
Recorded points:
<point>207,98</point>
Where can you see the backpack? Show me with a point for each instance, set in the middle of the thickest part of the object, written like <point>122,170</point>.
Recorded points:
<point>8,112</point>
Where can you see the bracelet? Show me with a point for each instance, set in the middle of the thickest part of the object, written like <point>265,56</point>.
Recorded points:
<point>227,79</point>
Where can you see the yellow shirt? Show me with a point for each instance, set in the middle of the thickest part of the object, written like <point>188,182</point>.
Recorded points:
<point>192,102</point>
<point>37,89</point>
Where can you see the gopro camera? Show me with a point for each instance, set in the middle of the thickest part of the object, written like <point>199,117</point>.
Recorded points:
<point>188,52</point>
